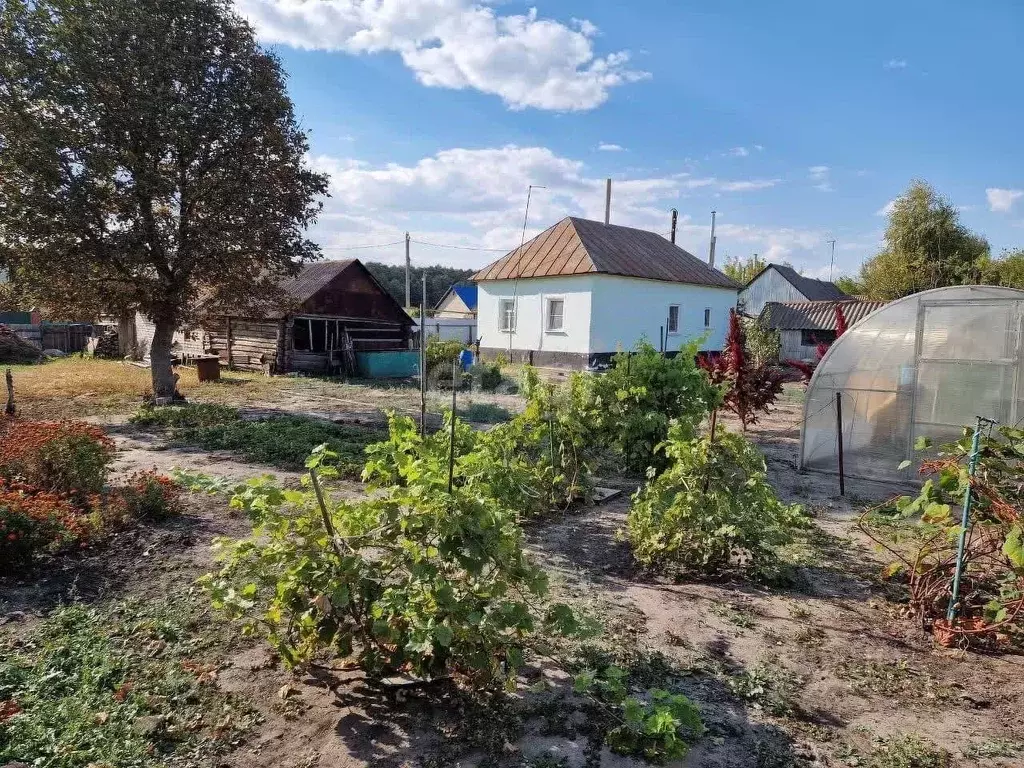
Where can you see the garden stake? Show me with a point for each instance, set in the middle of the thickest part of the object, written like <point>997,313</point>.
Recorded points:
<point>9,410</point>
<point>972,465</point>
<point>423,360</point>
<point>839,435</point>
<point>451,448</point>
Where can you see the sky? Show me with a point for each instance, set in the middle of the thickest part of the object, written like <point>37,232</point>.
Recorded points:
<point>797,122</point>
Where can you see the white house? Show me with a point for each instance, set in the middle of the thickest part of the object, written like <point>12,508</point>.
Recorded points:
<point>581,290</point>
<point>782,283</point>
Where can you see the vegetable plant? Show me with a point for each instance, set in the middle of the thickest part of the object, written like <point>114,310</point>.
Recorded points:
<point>711,510</point>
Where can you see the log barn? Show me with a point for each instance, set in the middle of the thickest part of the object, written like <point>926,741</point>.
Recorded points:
<point>333,310</point>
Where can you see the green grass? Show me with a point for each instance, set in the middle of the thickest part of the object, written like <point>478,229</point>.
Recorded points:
<point>280,441</point>
<point>485,413</point>
<point>908,751</point>
<point>127,686</point>
<point>770,686</point>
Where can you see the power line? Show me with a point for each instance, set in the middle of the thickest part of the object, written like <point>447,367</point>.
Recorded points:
<point>359,247</point>
<point>460,247</point>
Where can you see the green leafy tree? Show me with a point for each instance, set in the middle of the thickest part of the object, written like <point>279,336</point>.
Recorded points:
<point>439,280</point>
<point>926,247</point>
<point>743,270</point>
<point>1007,270</point>
<point>849,285</point>
<point>149,158</point>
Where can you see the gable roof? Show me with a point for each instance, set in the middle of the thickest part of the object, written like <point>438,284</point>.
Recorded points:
<point>813,290</point>
<point>465,291</point>
<point>814,315</point>
<point>577,246</point>
<point>312,278</point>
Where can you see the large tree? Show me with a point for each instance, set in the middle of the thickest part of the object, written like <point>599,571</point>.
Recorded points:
<point>743,270</point>
<point>925,247</point>
<point>150,159</point>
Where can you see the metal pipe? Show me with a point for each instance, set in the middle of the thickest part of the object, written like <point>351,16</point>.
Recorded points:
<point>608,201</point>
<point>839,435</point>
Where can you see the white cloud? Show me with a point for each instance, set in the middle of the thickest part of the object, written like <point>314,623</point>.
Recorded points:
<point>759,147</point>
<point>738,152</point>
<point>1002,200</point>
<point>886,209</point>
<point>895,64</point>
<point>607,147</point>
<point>526,60</point>
<point>820,175</point>
<point>475,198</point>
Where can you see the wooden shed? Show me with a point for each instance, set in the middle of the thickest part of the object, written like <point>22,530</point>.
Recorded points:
<point>333,310</point>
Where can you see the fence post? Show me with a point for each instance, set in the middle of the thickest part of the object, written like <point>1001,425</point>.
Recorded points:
<point>451,448</point>
<point>9,410</point>
<point>423,365</point>
<point>839,434</point>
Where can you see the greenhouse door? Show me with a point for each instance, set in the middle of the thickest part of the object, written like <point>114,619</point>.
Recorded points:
<point>968,357</point>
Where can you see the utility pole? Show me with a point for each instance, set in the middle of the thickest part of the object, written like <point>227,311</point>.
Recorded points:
<point>833,262</point>
<point>711,250</point>
<point>408,297</point>
<point>514,319</point>
<point>675,217</point>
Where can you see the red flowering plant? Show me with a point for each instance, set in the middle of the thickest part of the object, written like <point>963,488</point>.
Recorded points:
<point>149,496</point>
<point>60,456</point>
<point>32,520</point>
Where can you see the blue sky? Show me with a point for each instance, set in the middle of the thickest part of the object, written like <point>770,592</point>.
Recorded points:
<point>797,121</point>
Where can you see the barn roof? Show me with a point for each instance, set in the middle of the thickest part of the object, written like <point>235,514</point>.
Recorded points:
<point>577,246</point>
<point>814,315</point>
<point>313,277</point>
<point>812,289</point>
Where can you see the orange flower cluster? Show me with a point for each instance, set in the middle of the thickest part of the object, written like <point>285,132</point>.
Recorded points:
<point>31,519</point>
<point>20,440</point>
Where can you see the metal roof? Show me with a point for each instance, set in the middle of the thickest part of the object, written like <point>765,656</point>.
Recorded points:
<point>576,246</point>
<point>313,277</point>
<point>812,290</point>
<point>814,315</point>
<point>465,291</point>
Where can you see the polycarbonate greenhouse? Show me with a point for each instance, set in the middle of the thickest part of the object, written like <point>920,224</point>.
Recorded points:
<point>923,366</point>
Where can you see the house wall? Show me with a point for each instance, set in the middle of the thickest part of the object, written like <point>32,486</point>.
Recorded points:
<point>627,309</point>
<point>183,342</point>
<point>602,314</point>
<point>769,286</point>
<point>792,349</point>
<point>530,295</point>
<point>453,306</point>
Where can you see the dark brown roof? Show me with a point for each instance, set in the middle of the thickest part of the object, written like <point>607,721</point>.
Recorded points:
<point>812,290</point>
<point>580,246</point>
<point>814,315</point>
<point>312,278</point>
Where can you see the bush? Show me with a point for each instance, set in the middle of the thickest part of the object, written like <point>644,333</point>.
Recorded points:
<point>636,400</point>
<point>34,521</point>
<point>441,354</point>
<point>486,413</point>
<point>64,457</point>
<point>413,577</point>
<point>185,416</point>
<point>146,496</point>
<point>711,509</point>
<point>487,374</point>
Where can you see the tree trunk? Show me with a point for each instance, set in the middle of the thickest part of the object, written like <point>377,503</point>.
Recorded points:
<point>160,357</point>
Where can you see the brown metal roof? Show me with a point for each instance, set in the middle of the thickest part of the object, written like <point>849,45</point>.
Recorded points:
<point>312,278</point>
<point>814,315</point>
<point>579,246</point>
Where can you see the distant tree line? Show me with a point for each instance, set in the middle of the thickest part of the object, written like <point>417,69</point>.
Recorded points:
<point>439,280</point>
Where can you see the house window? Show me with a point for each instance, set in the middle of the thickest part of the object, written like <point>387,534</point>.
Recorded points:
<point>814,338</point>
<point>556,314</point>
<point>673,318</point>
<point>707,317</point>
<point>507,315</point>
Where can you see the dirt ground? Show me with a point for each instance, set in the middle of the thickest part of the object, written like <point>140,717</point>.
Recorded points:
<point>854,672</point>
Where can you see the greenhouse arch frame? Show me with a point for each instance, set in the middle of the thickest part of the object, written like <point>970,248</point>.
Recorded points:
<point>925,365</point>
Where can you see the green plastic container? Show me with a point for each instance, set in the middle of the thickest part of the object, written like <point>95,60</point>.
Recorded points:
<point>389,364</point>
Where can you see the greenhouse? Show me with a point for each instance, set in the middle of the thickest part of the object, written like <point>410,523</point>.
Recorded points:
<point>923,366</point>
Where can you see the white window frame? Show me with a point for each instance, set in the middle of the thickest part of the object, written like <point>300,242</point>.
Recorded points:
<point>668,320</point>
<point>503,315</point>
<point>707,317</point>
<point>547,314</point>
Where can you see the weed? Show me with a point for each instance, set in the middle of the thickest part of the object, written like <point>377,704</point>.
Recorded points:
<point>485,413</point>
<point>993,748</point>
<point>890,678</point>
<point>185,416</point>
<point>121,686</point>
<point>908,751</point>
<point>798,612</point>
<point>812,636</point>
<point>770,686</point>
<point>737,615</point>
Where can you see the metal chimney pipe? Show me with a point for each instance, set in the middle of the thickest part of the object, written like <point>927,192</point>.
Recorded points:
<point>711,251</point>
<point>608,201</point>
<point>675,216</point>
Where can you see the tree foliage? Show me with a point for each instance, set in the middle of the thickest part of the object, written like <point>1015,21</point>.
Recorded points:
<point>439,280</point>
<point>925,247</point>
<point>149,158</point>
<point>743,270</point>
<point>637,399</point>
<point>711,510</point>
<point>749,387</point>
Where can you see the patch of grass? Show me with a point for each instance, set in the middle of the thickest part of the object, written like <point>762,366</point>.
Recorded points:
<point>737,615</point>
<point>284,441</point>
<point>993,748</point>
<point>185,416</point>
<point>908,751</point>
<point>770,686</point>
<point>131,685</point>
<point>893,679</point>
<point>485,413</point>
